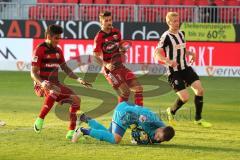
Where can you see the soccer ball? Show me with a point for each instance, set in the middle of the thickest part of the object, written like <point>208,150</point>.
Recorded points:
<point>139,136</point>
<point>2,123</point>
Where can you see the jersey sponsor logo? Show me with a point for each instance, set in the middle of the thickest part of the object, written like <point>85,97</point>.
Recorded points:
<point>180,46</point>
<point>52,65</point>
<point>35,59</point>
<point>142,118</point>
<point>110,47</point>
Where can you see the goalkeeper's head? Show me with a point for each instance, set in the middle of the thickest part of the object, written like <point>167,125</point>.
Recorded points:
<point>164,134</point>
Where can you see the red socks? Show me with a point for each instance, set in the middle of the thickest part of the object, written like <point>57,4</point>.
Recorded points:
<point>47,105</point>
<point>73,117</point>
<point>122,99</point>
<point>138,98</point>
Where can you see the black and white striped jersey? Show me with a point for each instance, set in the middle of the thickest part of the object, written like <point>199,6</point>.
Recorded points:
<point>174,46</point>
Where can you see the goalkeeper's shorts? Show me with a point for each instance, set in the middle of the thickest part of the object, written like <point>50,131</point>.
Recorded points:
<point>115,128</point>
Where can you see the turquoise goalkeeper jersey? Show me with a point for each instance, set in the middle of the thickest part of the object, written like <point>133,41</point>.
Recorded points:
<point>127,114</point>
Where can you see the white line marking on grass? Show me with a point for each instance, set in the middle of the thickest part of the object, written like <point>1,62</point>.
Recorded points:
<point>15,130</point>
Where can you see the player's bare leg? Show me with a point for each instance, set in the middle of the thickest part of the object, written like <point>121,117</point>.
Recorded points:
<point>198,100</point>
<point>183,97</point>
<point>197,88</point>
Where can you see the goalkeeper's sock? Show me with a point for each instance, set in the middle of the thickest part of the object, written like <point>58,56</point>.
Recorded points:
<point>95,125</point>
<point>84,118</point>
<point>178,104</point>
<point>47,105</point>
<point>198,105</point>
<point>102,135</point>
<point>85,131</point>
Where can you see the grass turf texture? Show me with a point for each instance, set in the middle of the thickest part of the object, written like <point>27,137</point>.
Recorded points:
<point>19,107</point>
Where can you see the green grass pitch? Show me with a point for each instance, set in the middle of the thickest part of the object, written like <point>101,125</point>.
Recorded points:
<point>19,107</point>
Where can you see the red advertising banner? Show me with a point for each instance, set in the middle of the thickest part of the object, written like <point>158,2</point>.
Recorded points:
<point>208,53</point>
<point>216,54</point>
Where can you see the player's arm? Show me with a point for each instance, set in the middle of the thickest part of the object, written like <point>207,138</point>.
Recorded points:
<point>158,54</point>
<point>72,75</point>
<point>192,56</point>
<point>98,58</point>
<point>44,83</point>
<point>35,74</point>
<point>189,53</point>
<point>35,69</point>
<point>97,50</point>
<point>124,45</point>
<point>36,63</point>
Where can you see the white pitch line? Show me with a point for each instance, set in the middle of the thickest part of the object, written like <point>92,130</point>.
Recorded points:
<point>15,130</point>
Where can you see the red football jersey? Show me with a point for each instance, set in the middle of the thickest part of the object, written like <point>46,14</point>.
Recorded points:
<point>48,59</point>
<point>108,44</point>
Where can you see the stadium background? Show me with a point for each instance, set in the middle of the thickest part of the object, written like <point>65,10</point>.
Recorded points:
<point>215,40</point>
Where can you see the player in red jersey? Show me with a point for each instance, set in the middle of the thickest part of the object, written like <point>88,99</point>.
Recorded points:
<point>109,53</point>
<point>46,60</point>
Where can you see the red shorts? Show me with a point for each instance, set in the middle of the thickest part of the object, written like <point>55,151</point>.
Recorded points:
<point>65,92</point>
<point>119,76</point>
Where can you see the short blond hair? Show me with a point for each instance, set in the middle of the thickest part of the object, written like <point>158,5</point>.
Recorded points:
<point>170,15</point>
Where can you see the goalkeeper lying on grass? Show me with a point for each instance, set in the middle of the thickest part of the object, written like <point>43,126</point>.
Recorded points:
<point>147,127</point>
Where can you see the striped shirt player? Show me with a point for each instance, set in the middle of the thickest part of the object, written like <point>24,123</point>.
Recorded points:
<point>174,46</point>
<point>107,47</point>
<point>180,74</point>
